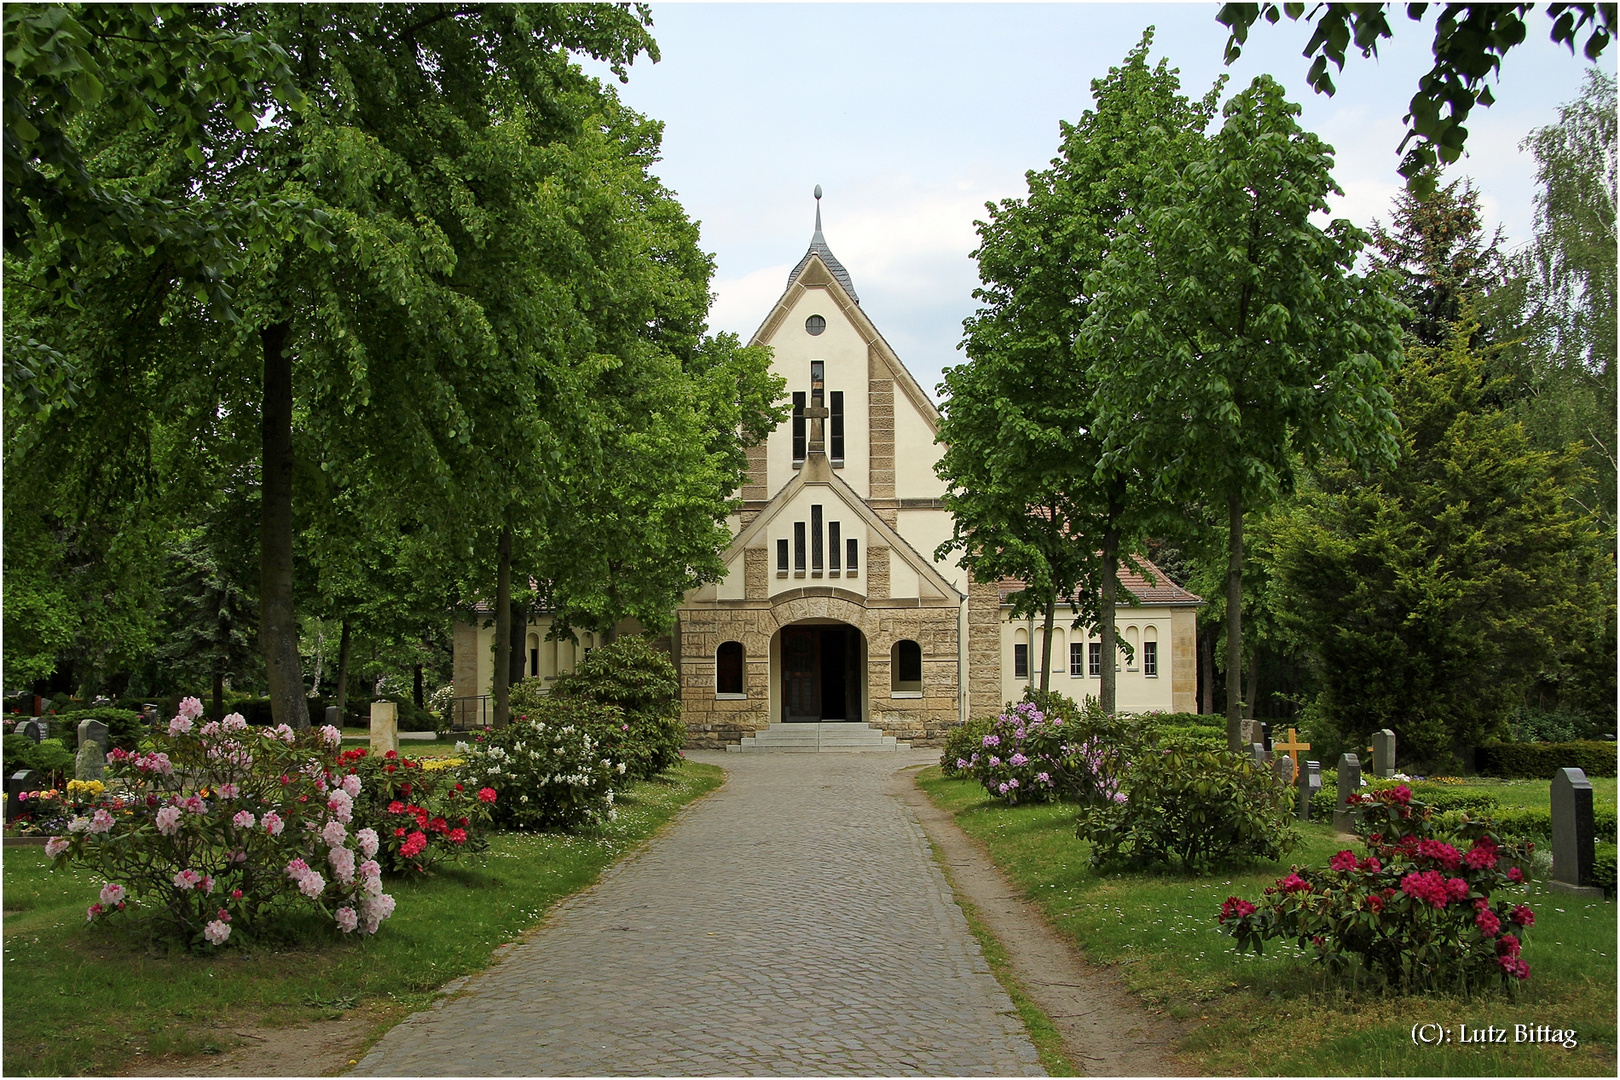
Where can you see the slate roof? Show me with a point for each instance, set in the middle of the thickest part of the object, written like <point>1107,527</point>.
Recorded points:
<point>1163,592</point>
<point>818,246</point>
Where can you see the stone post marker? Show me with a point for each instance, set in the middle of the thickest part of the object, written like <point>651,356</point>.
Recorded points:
<point>1349,784</point>
<point>333,717</point>
<point>1384,753</point>
<point>1573,833</point>
<point>90,763</point>
<point>1283,765</point>
<point>95,731</point>
<point>384,727</point>
<point>1310,782</point>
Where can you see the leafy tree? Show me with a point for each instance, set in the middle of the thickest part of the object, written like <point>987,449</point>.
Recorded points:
<point>1432,594</point>
<point>1233,337</point>
<point>1567,274</point>
<point>1470,41</point>
<point>1436,247</point>
<point>1033,492</point>
<point>211,635</point>
<point>344,221</point>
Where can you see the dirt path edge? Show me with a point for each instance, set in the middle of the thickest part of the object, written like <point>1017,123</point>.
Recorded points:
<point>1105,1031</point>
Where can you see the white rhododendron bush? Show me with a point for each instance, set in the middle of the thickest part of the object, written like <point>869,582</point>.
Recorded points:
<point>216,827</point>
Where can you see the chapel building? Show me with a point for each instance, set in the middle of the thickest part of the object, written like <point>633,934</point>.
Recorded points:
<point>833,606</point>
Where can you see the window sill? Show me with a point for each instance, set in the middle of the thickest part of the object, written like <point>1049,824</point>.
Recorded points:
<point>731,697</point>
<point>798,573</point>
<point>899,694</point>
<point>781,573</point>
<point>852,573</point>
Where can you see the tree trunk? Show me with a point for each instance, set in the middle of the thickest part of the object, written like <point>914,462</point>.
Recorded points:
<point>416,690</point>
<point>343,672</point>
<point>1110,642</point>
<point>1046,646</point>
<point>1234,621</point>
<point>278,623</point>
<point>1206,669</point>
<point>503,628</point>
<point>515,660</point>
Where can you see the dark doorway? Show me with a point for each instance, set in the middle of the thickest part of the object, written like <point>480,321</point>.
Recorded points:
<point>821,673</point>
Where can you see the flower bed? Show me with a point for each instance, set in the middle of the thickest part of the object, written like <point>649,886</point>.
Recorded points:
<point>1417,912</point>
<point>551,769</point>
<point>421,809</point>
<point>218,825</point>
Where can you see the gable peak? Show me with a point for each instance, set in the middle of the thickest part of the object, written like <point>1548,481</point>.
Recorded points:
<point>819,249</point>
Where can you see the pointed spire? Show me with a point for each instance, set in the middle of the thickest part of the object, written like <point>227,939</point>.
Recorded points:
<point>818,246</point>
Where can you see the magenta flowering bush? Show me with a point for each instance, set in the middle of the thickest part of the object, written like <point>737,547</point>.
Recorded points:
<point>219,825</point>
<point>1050,748</point>
<point>1417,911</point>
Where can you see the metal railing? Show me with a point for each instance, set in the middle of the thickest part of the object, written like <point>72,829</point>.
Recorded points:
<point>470,713</point>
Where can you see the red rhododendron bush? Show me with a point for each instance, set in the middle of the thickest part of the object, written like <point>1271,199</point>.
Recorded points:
<point>219,826</point>
<point>422,811</point>
<point>1416,911</point>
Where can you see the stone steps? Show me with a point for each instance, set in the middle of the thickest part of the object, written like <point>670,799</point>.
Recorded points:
<point>830,737</point>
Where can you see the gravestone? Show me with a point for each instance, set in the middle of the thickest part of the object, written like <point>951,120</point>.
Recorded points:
<point>1349,784</point>
<point>384,727</point>
<point>95,731</point>
<point>16,784</point>
<point>1257,754</point>
<point>1383,751</point>
<point>1310,782</point>
<point>1251,732</point>
<point>90,763</point>
<point>1283,766</point>
<point>38,730</point>
<point>333,717</point>
<point>1573,834</point>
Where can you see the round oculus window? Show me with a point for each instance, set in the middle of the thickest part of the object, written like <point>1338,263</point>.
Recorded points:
<point>814,325</point>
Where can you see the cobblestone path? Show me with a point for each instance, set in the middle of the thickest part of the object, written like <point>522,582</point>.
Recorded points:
<point>793,923</point>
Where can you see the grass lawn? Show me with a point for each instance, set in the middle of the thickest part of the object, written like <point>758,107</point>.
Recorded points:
<point>84,999</point>
<point>1278,1014</point>
<point>1536,794</point>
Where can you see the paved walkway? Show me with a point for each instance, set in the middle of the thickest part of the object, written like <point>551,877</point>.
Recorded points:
<point>793,923</point>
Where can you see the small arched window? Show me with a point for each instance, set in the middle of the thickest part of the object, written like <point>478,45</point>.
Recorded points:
<point>905,666</point>
<point>728,668</point>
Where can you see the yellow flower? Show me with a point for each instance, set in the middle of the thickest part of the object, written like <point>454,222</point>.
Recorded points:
<point>85,789</point>
<point>440,763</point>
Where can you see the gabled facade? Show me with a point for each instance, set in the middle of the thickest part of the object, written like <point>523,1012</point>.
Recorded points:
<point>833,606</point>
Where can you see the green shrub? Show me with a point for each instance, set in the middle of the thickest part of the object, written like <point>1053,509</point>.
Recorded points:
<point>1194,806</point>
<point>640,680</point>
<point>1439,797</point>
<point>1603,868</point>
<point>549,767</point>
<point>1538,761</point>
<point>49,757</point>
<point>962,741</point>
<point>1534,823</point>
<point>124,728</point>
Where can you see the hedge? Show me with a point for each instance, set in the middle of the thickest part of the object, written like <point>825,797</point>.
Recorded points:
<point>1539,761</point>
<point>1603,868</point>
<point>125,729</point>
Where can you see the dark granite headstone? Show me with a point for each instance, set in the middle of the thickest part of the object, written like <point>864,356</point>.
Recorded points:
<point>38,730</point>
<point>1310,782</point>
<point>334,717</point>
<point>16,784</point>
<point>1573,832</point>
<point>1349,784</point>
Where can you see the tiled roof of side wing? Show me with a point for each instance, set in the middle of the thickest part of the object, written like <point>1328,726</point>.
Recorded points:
<point>1161,591</point>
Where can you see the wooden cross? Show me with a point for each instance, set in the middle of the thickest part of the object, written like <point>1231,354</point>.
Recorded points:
<point>1292,748</point>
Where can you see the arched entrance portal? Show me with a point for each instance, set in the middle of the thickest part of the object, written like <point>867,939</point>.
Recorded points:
<point>823,672</point>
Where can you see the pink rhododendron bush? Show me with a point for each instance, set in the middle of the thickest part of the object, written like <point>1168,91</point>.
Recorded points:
<point>219,827</point>
<point>1417,912</point>
<point>1049,748</point>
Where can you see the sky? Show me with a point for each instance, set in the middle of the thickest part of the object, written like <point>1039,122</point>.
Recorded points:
<point>911,116</point>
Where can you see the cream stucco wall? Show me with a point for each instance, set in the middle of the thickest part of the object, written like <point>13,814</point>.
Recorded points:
<point>915,452</point>
<point>1135,691</point>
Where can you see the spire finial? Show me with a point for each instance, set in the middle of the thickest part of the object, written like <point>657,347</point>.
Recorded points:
<point>818,209</point>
